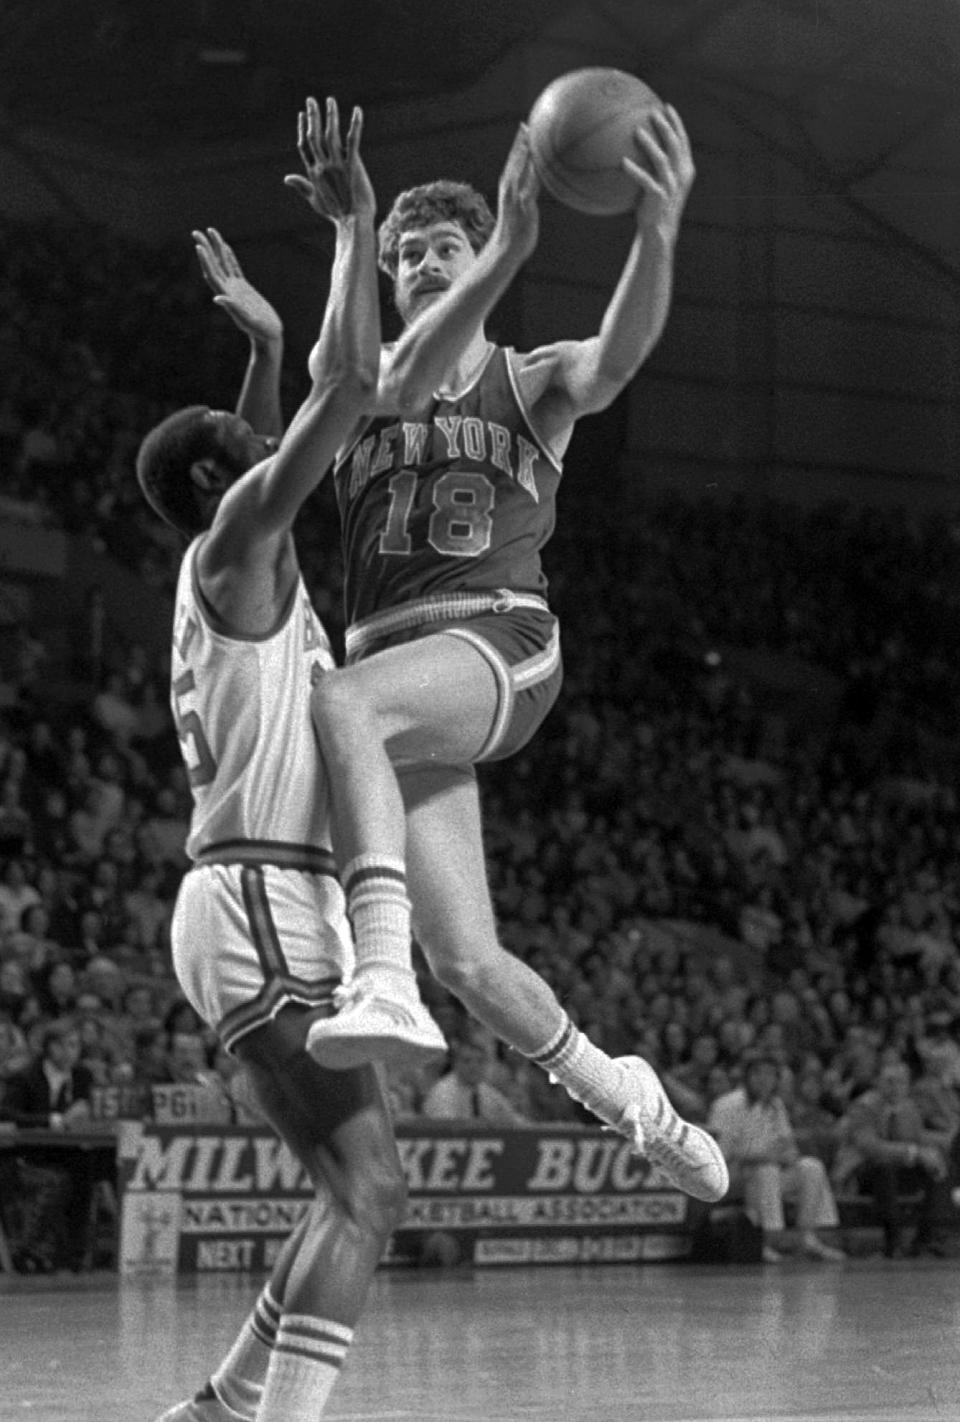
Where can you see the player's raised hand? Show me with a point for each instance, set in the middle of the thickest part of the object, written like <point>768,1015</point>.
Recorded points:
<point>335,182</point>
<point>663,170</point>
<point>245,306</point>
<point>518,211</point>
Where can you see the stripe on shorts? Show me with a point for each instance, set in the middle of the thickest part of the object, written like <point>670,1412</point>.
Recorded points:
<point>511,679</point>
<point>263,931</point>
<point>540,666</point>
<point>268,1002</point>
<point>502,671</point>
<point>280,985</point>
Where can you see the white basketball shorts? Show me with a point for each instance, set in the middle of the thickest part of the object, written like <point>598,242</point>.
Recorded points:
<point>248,939</point>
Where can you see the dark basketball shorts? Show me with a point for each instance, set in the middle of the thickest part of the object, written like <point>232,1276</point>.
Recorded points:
<point>517,635</point>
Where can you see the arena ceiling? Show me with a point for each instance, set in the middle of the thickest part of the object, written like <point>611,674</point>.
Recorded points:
<point>861,97</point>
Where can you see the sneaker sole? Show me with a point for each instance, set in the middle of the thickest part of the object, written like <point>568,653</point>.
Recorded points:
<point>346,1048</point>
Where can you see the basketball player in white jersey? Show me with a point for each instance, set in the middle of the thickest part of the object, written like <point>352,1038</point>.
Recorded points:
<point>260,937</point>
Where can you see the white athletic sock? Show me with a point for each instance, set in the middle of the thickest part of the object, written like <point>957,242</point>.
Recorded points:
<point>588,1074</point>
<point>238,1382</point>
<point>304,1365</point>
<point>379,911</point>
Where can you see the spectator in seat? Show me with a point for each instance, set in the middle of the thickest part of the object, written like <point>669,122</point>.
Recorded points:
<point>939,1048</point>
<point>112,710</point>
<point>162,836</point>
<point>694,1074</point>
<point>187,1057</point>
<point>887,1149</point>
<point>814,1124</point>
<point>14,1052</point>
<point>52,825</point>
<point>16,823</point>
<point>754,1132</point>
<point>57,990</point>
<point>144,904</point>
<point>54,1091</point>
<point>14,989</point>
<point>465,1093</point>
<point>31,943</point>
<point>138,1013</point>
<point>86,825</point>
<point>44,758</point>
<point>16,894</point>
<point>151,1058</point>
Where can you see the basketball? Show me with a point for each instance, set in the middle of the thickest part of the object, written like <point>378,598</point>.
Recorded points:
<point>581,126</point>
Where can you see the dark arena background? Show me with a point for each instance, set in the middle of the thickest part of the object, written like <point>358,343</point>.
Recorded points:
<point>737,835</point>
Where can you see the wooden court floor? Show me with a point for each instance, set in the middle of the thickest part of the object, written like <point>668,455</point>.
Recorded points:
<point>866,1341</point>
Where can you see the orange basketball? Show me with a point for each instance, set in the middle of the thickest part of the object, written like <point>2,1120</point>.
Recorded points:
<point>581,126</point>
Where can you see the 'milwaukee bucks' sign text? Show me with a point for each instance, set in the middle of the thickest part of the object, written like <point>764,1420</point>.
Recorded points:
<point>241,1182</point>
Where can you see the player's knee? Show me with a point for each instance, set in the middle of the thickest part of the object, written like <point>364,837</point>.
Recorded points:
<point>339,709</point>
<point>376,1197</point>
<point>460,970</point>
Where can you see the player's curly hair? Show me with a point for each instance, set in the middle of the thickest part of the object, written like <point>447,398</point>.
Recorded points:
<point>440,201</point>
<point>163,467</point>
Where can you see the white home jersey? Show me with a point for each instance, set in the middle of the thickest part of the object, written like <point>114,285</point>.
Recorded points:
<point>242,712</point>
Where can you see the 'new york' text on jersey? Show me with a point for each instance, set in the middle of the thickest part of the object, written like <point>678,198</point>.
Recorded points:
<point>460,498</point>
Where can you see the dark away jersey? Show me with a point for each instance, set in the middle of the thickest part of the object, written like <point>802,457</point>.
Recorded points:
<point>460,498</point>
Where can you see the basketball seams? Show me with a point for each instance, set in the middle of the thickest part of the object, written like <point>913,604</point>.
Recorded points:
<point>581,127</point>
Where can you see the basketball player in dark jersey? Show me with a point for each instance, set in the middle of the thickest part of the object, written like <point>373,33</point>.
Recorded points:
<point>447,497</point>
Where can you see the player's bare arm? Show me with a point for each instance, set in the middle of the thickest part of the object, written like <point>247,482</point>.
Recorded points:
<point>251,313</point>
<point>247,562</point>
<point>437,337</point>
<point>563,381</point>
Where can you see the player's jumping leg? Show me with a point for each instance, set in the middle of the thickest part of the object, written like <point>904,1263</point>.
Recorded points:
<point>431,699</point>
<point>455,925</point>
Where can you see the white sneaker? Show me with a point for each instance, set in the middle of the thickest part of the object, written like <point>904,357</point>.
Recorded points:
<point>205,1407</point>
<point>685,1153</point>
<point>372,1026</point>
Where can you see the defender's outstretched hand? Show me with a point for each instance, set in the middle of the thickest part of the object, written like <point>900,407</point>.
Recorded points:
<point>250,311</point>
<point>663,145</point>
<point>336,185</point>
<point>518,212</point>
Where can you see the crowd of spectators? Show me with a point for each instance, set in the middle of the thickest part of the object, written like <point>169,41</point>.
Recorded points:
<point>699,874</point>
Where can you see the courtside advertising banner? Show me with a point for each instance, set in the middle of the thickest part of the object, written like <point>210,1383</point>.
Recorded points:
<point>207,1198</point>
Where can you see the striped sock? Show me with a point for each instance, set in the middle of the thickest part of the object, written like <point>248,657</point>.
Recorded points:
<point>304,1365</point>
<point>586,1073</point>
<point>238,1382</point>
<point>379,911</point>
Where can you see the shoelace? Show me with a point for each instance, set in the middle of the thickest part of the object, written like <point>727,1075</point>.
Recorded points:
<point>668,1151</point>
<point>631,1126</point>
